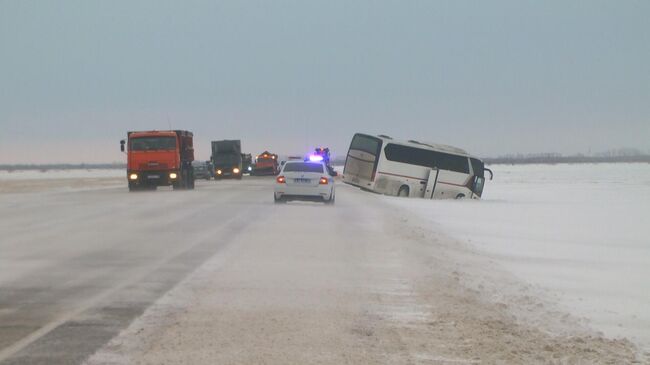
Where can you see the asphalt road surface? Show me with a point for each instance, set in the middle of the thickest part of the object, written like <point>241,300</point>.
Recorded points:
<point>221,275</point>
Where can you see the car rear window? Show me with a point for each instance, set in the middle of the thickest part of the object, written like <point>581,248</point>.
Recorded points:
<point>303,167</point>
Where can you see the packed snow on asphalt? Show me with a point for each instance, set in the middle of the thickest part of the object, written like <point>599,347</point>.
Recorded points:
<point>551,267</point>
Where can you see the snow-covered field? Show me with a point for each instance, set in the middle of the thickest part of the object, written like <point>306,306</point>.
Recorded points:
<point>220,274</point>
<point>37,181</point>
<point>60,174</point>
<point>580,233</point>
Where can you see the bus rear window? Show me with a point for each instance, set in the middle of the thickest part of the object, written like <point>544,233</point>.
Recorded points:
<point>365,143</point>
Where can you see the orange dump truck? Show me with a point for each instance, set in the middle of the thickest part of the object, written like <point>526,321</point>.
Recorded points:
<point>266,163</point>
<point>159,158</point>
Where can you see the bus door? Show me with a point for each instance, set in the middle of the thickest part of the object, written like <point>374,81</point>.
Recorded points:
<point>432,181</point>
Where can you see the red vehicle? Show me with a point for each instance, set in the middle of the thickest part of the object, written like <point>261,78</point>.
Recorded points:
<point>266,163</point>
<point>159,158</point>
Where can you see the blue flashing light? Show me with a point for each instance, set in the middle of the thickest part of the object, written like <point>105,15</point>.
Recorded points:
<point>315,158</point>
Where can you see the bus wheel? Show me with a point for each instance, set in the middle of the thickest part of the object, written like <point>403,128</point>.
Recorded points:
<point>460,196</point>
<point>403,191</point>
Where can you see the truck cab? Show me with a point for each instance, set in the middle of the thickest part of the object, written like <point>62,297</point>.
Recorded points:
<point>227,159</point>
<point>266,163</point>
<point>159,158</point>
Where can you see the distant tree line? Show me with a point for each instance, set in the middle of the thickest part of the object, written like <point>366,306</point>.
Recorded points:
<point>611,156</point>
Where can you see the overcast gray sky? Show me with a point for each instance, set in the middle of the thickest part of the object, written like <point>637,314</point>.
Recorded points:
<point>493,77</point>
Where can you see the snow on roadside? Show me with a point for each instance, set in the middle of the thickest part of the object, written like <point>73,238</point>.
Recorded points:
<point>60,174</point>
<point>580,232</point>
<point>72,180</point>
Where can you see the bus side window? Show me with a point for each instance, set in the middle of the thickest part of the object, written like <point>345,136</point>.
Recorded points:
<point>426,158</point>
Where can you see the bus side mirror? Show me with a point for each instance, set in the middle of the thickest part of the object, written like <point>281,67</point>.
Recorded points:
<point>490,171</point>
<point>122,142</point>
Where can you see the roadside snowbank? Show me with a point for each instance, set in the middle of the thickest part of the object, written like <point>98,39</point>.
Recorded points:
<point>581,232</point>
<point>35,181</point>
<point>60,174</point>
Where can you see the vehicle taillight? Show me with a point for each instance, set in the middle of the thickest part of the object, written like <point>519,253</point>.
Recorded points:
<point>281,180</point>
<point>323,181</point>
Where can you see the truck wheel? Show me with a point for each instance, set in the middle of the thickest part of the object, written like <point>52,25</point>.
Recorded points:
<point>180,183</point>
<point>187,180</point>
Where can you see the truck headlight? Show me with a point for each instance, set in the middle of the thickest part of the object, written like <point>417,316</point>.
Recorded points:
<point>235,170</point>
<point>133,176</point>
<point>173,175</point>
<point>218,172</point>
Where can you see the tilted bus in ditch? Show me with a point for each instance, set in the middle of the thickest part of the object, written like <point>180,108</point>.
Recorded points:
<point>413,168</point>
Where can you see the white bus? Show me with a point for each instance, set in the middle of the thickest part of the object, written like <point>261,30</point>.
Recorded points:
<point>413,169</point>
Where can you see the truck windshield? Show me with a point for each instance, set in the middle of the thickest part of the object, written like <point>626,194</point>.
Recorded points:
<point>153,143</point>
<point>227,158</point>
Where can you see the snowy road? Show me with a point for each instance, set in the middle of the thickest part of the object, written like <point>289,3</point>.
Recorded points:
<point>222,275</point>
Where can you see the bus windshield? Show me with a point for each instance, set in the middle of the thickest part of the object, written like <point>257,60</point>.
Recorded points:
<point>478,167</point>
